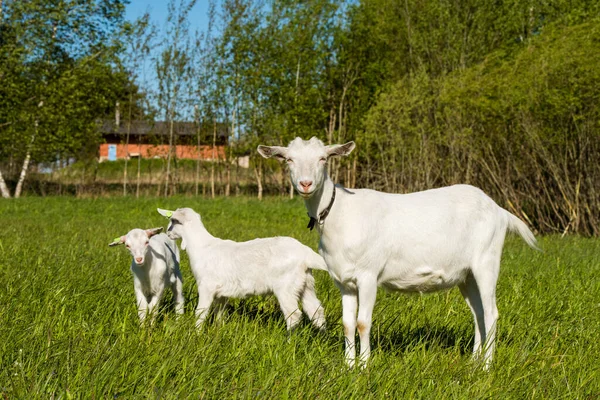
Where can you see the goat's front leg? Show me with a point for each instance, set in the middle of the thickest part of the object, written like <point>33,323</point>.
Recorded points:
<point>142,305</point>
<point>367,293</point>
<point>349,307</point>
<point>205,299</point>
<point>154,302</point>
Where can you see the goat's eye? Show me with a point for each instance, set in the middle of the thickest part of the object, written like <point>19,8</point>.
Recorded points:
<point>289,161</point>
<point>323,159</point>
<point>127,245</point>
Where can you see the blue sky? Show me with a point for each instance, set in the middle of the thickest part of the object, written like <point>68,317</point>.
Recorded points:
<point>198,19</point>
<point>158,12</point>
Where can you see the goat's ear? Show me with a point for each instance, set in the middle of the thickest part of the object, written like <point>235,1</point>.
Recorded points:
<point>278,152</point>
<point>165,213</point>
<point>117,241</point>
<point>340,149</point>
<point>153,231</point>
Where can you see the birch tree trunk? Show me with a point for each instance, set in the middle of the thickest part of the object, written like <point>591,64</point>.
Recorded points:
<point>19,187</point>
<point>3,188</point>
<point>258,174</point>
<point>23,172</point>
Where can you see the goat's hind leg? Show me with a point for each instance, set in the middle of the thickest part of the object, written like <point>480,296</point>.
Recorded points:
<point>486,276</point>
<point>288,302</point>
<point>311,305</point>
<point>470,292</point>
<point>177,288</point>
<point>220,304</point>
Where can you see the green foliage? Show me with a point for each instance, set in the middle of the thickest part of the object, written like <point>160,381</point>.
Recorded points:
<point>278,62</point>
<point>68,324</point>
<point>523,127</point>
<point>59,74</point>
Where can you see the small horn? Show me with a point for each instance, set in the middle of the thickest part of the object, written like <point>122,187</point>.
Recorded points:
<point>153,231</point>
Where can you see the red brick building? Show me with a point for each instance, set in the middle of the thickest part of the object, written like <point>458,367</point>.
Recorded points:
<point>151,140</point>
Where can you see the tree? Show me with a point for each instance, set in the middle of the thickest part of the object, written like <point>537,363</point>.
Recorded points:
<point>202,66</point>
<point>173,71</point>
<point>139,39</point>
<point>48,53</point>
<point>275,64</point>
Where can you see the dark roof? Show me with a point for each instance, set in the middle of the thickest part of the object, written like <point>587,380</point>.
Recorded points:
<point>108,127</point>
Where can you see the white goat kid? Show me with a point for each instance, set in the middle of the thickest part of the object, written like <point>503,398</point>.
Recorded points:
<point>417,242</point>
<point>155,265</point>
<point>224,268</point>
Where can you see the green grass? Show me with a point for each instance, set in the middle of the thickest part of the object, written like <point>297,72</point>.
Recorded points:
<point>68,324</point>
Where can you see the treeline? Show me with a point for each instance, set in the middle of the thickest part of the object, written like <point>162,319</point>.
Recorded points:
<point>502,95</point>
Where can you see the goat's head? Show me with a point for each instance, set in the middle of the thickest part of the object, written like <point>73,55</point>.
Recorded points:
<point>136,241</point>
<point>307,161</point>
<point>177,219</point>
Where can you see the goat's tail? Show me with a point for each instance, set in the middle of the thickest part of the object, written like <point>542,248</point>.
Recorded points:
<point>515,224</point>
<point>315,261</point>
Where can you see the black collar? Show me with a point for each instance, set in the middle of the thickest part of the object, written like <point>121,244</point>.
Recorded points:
<point>323,214</point>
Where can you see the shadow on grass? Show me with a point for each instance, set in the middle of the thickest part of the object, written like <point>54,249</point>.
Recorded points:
<point>265,310</point>
<point>403,339</point>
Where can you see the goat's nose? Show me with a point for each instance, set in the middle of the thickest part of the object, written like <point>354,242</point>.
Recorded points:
<point>305,185</point>
<point>139,260</point>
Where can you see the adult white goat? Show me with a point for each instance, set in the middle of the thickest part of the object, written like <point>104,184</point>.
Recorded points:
<point>155,265</point>
<point>224,268</point>
<point>417,242</point>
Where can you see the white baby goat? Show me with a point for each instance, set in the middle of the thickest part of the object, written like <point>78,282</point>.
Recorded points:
<point>224,268</point>
<point>155,265</point>
<point>417,242</point>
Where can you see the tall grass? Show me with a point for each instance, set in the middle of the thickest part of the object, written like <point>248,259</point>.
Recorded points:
<point>68,324</point>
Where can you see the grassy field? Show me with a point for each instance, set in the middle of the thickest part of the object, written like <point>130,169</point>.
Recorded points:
<point>68,323</point>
